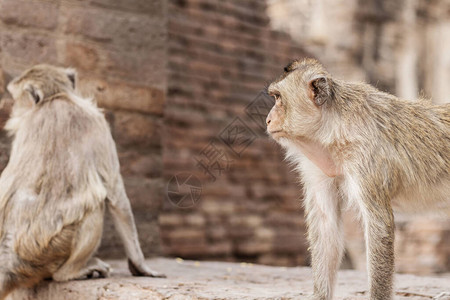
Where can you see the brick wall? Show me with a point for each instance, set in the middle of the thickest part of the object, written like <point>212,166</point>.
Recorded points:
<point>212,58</point>
<point>181,82</point>
<point>119,49</point>
<point>221,54</point>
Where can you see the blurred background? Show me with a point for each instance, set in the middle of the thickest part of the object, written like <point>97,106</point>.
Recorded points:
<point>182,85</point>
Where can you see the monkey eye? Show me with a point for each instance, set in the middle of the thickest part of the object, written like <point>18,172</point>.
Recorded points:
<point>276,96</point>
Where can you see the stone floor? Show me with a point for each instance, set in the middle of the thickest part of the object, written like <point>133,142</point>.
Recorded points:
<point>218,280</point>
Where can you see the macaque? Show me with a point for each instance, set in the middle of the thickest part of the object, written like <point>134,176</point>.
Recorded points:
<point>354,145</point>
<point>62,172</point>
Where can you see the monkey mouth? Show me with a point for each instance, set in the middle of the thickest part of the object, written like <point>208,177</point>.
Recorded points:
<point>276,133</point>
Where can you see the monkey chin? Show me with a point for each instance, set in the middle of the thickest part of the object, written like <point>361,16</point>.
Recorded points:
<point>277,134</point>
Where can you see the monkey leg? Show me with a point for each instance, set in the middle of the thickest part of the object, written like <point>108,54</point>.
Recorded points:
<point>120,208</point>
<point>323,218</point>
<point>379,233</point>
<point>85,243</point>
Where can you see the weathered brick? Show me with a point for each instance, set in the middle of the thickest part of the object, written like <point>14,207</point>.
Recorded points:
<point>29,47</point>
<point>247,220</point>
<point>253,247</point>
<point>138,6</point>
<point>221,249</point>
<point>185,236</point>
<point>219,58</point>
<point>216,233</point>
<point>142,67</point>
<point>185,251</point>
<point>136,130</point>
<point>195,220</point>
<point>167,220</point>
<point>81,56</point>
<point>124,96</point>
<point>217,207</point>
<point>145,194</point>
<point>276,260</point>
<point>2,83</point>
<point>134,163</point>
<point>289,241</point>
<point>35,14</point>
<point>122,30</point>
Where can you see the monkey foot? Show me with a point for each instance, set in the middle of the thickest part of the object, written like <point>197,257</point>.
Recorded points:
<point>97,269</point>
<point>143,270</point>
<point>94,268</point>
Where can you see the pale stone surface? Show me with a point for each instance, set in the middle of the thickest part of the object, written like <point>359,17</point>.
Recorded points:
<point>218,280</point>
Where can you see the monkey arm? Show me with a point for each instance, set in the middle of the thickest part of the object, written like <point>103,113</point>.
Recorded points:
<point>120,208</point>
<point>323,218</point>
<point>372,194</point>
<point>379,233</point>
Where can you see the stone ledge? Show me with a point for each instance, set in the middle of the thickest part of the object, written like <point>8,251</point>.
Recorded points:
<point>219,280</point>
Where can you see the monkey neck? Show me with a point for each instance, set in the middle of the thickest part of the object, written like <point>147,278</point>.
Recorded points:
<point>319,155</point>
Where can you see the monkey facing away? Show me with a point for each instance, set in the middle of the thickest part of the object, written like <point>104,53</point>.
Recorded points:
<point>355,145</point>
<point>62,172</point>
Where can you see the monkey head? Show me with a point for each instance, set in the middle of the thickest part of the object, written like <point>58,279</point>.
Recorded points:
<point>300,94</point>
<point>41,82</point>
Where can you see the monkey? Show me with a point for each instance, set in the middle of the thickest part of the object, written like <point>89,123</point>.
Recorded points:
<point>356,146</point>
<point>62,172</point>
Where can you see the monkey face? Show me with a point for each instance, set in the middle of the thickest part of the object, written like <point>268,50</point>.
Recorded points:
<point>41,82</point>
<point>299,95</point>
<point>275,118</point>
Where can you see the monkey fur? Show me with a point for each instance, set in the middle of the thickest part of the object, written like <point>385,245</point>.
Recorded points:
<point>355,145</point>
<point>62,172</point>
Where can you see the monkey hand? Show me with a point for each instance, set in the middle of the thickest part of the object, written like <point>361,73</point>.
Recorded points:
<point>141,269</point>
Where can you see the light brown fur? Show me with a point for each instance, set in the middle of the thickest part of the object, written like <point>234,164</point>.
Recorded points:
<point>62,172</point>
<point>354,144</point>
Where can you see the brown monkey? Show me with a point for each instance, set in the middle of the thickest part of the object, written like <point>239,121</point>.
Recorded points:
<point>62,172</point>
<point>353,144</point>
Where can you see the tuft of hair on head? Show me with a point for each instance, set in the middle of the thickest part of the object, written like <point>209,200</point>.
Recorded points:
<point>304,63</point>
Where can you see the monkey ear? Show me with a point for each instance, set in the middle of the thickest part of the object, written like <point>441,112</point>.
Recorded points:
<point>319,90</point>
<point>11,87</point>
<point>72,75</point>
<point>35,93</point>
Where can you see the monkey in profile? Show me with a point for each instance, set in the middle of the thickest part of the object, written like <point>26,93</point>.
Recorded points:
<point>62,172</point>
<point>355,145</point>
